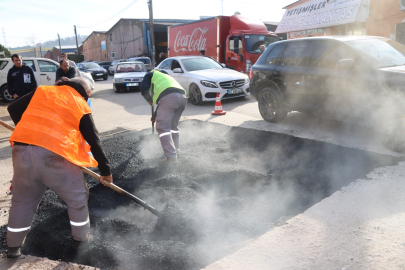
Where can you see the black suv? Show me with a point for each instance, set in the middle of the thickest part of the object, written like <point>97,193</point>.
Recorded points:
<point>345,78</point>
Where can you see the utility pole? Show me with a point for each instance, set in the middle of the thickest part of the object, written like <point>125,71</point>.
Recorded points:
<point>152,32</point>
<point>77,44</point>
<point>60,49</point>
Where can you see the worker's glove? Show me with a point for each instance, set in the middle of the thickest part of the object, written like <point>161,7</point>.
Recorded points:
<point>152,119</point>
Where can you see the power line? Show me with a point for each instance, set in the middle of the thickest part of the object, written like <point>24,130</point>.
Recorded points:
<point>111,17</point>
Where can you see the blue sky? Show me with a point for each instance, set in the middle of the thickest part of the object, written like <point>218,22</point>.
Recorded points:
<point>41,20</point>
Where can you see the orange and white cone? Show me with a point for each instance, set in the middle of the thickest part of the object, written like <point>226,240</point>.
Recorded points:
<point>218,107</point>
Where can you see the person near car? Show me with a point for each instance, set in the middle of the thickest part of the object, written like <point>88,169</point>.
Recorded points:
<point>49,144</point>
<point>202,52</point>
<point>20,78</point>
<point>65,72</point>
<point>161,58</point>
<point>262,49</point>
<point>71,63</point>
<point>171,99</point>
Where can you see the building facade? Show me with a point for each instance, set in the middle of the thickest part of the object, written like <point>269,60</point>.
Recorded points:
<point>307,18</point>
<point>94,46</point>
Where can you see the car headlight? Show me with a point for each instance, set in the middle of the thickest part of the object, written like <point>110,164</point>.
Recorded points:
<point>247,80</point>
<point>114,80</point>
<point>88,71</point>
<point>209,84</point>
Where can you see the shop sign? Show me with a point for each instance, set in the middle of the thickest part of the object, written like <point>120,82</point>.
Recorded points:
<point>319,14</point>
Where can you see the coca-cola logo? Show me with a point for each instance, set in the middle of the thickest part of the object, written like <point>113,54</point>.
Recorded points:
<point>194,42</point>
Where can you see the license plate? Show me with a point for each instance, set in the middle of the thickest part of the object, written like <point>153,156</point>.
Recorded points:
<point>132,84</point>
<point>99,74</point>
<point>235,91</point>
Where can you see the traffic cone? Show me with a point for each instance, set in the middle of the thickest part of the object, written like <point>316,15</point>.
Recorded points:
<point>218,107</point>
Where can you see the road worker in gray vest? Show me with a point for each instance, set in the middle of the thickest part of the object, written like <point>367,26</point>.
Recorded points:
<point>171,99</point>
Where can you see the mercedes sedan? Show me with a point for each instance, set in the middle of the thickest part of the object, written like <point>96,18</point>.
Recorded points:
<point>203,78</point>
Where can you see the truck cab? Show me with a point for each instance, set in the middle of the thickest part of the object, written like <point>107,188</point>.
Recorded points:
<point>243,50</point>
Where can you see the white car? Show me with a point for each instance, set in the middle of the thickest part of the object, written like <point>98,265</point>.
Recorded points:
<point>128,76</point>
<point>203,77</point>
<point>44,71</point>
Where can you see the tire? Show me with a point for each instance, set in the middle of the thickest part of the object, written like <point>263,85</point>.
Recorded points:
<point>195,95</point>
<point>116,90</point>
<point>5,95</point>
<point>271,106</point>
<point>105,77</point>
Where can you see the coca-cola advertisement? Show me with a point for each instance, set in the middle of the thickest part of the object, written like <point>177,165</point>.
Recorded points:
<point>190,39</point>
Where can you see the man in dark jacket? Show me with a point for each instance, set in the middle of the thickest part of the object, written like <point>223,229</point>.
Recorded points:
<point>20,79</point>
<point>161,58</point>
<point>65,71</point>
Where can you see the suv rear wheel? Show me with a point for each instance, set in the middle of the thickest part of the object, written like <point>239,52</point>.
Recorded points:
<point>271,106</point>
<point>5,95</point>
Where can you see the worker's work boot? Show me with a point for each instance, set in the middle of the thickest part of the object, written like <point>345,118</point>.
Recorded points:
<point>82,244</point>
<point>168,161</point>
<point>13,252</point>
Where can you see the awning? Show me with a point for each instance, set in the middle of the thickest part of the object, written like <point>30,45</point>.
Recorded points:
<point>319,14</point>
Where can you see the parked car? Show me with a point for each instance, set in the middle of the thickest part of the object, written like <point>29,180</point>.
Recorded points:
<point>94,69</point>
<point>128,76</point>
<point>345,78</point>
<point>114,63</point>
<point>203,78</point>
<point>44,70</point>
<point>104,64</point>
<point>143,59</point>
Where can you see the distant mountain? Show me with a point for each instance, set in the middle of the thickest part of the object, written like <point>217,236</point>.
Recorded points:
<point>51,43</point>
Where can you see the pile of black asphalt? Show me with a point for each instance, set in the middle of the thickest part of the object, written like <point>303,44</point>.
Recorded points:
<point>231,185</point>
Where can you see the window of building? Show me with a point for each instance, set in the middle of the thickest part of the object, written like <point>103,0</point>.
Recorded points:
<point>110,37</point>
<point>113,54</point>
<point>297,53</point>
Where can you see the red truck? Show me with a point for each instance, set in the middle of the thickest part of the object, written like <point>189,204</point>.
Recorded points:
<point>232,40</point>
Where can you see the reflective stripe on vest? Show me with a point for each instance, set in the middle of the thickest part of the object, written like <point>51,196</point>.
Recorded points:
<point>52,121</point>
<point>162,82</point>
<point>18,229</point>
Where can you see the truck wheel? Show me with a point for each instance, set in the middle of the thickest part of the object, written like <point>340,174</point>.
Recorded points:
<point>195,95</point>
<point>271,106</point>
<point>5,95</point>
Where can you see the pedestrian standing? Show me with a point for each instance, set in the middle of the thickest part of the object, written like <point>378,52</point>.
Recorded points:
<point>20,78</point>
<point>49,144</point>
<point>202,52</point>
<point>161,58</point>
<point>71,64</point>
<point>65,72</point>
<point>171,99</point>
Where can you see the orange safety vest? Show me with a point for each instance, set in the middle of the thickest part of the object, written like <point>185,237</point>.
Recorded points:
<point>52,121</point>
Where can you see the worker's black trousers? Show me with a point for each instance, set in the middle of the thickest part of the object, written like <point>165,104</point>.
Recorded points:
<point>167,120</point>
<point>35,170</point>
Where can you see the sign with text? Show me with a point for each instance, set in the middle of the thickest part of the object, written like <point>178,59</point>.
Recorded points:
<point>319,14</point>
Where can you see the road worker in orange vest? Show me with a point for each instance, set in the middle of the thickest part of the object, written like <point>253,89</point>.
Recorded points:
<point>49,144</point>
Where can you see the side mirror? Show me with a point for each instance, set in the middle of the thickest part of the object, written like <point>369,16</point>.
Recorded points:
<point>223,65</point>
<point>236,45</point>
<point>177,70</point>
<point>345,64</point>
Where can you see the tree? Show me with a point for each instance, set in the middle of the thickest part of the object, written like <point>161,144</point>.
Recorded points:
<point>5,50</point>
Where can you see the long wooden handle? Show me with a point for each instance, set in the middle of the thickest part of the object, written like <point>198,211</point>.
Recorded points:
<point>153,92</point>
<point>108,184</point>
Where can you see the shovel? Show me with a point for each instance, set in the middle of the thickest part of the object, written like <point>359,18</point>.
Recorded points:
<point>143,137</point>
<point>108,184</point>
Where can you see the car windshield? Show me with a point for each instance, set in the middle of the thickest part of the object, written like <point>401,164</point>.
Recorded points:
<point>200,63</point>
<point>253,42</point>
<point>131,67</point>
<point>146,61</point>
<point>91,65</point>
<point>379,53</point>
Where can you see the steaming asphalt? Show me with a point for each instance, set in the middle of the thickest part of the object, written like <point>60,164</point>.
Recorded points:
<point>233,184</point>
